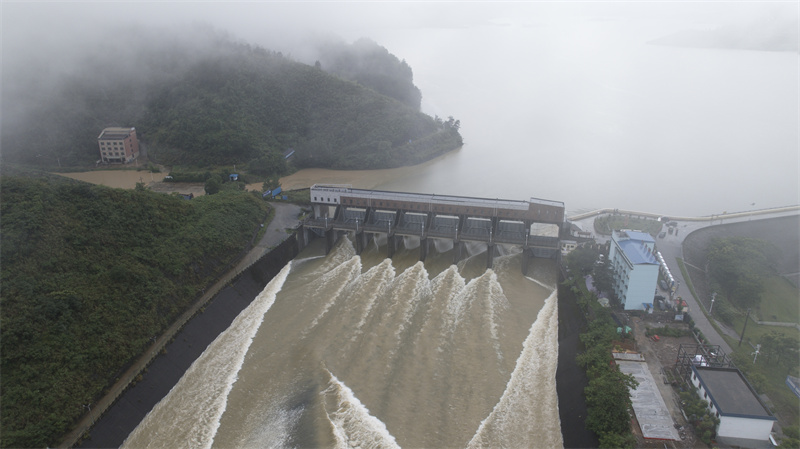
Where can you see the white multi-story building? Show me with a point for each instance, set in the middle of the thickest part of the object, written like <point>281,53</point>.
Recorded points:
<point>635,267</point>
<point>743,419</point>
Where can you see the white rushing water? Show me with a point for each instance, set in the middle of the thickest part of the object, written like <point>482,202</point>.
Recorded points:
<point>364,351</point>
<point>189,414</point>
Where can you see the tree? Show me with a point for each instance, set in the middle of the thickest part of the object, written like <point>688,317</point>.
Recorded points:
<point>739,265</point>
<point>791,437</point>
<point>610,440</point>
<point>582,259</point>
<point>603,277</point>
<point>213,184</point>
<point>609,400</point>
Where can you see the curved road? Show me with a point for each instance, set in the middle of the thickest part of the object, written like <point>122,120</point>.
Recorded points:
<point>671,247</point>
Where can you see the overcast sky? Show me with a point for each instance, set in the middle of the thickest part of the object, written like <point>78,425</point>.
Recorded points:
<point>31,24</point>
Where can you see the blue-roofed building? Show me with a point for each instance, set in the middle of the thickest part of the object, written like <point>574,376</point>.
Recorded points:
<point>635,267</point>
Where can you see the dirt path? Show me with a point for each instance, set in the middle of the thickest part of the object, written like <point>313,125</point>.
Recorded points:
<point>660,356</point>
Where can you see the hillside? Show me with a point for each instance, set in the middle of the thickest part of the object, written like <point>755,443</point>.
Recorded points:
<point>90,274</point>
<point>205,100</point>
<point>369,64</point>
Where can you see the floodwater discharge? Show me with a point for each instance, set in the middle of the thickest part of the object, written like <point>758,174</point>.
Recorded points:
<point>342,350</point>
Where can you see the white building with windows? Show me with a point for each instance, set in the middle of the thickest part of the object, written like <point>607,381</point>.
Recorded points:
<point>743,419</point>
<point>635,268</point>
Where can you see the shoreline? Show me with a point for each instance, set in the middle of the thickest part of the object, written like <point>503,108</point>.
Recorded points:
<point>166,369</point>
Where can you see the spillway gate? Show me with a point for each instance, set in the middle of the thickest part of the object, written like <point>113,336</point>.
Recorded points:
<point>341,209</point>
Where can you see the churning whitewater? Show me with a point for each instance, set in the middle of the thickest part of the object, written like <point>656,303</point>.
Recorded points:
<point>363,351</point>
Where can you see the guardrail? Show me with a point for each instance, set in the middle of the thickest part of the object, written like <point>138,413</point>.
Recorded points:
<point>705,218</point>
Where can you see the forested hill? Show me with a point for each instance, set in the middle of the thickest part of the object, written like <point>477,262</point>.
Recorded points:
<point>371,65</point>
<point>90,274</point>
<point>224,102</point>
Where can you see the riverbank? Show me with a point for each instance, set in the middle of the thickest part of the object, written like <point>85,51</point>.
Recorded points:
<point>285,217</point>
<point>166,369</point>
<point>570,378</point>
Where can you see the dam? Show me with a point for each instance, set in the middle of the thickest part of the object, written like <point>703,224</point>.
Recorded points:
<point>364,213</point>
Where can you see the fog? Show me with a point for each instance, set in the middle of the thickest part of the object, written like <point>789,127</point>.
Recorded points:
<point>570,88</point>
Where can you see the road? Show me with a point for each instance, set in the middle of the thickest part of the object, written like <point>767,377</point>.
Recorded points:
<point>286,216</point>
<point>671,248</point>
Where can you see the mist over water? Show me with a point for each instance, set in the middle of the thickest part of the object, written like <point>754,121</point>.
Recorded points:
<point>585,111</point>
<point>364,351</point>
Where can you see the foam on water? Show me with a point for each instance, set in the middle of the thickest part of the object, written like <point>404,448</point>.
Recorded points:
<point>332,285</point>
<point>527,413</point>
<point>438,361</point>
<point>549,287</point>
<point>199,399</point>
<point>386,272</point>
<point>407,290</point>
<point>354,426</point>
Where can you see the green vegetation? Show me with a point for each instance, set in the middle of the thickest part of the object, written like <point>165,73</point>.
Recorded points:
<point>779,300</point>
<point>90,275</point>
<point>583,260</point>
<point>778,356</point>
<point>791,438</point>
<point>371,65</point>
<point>738,267</point>
<point>233,104</point>
<point>696,409</point>
<point>614,222</point>
<point>300,196</point>
<point>607,395</point>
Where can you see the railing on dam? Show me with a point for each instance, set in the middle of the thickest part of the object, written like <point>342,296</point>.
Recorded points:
<point>460,219</point>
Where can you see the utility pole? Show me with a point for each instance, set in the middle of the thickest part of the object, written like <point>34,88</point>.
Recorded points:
<point>745,326</point>
<point>713,296</point>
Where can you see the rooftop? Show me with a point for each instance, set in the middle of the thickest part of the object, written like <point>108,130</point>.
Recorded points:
<point>730,392</point>
<point>424,198</point>
<point>637,253</point>
<point>637,235</point>
<point>115,133</point>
